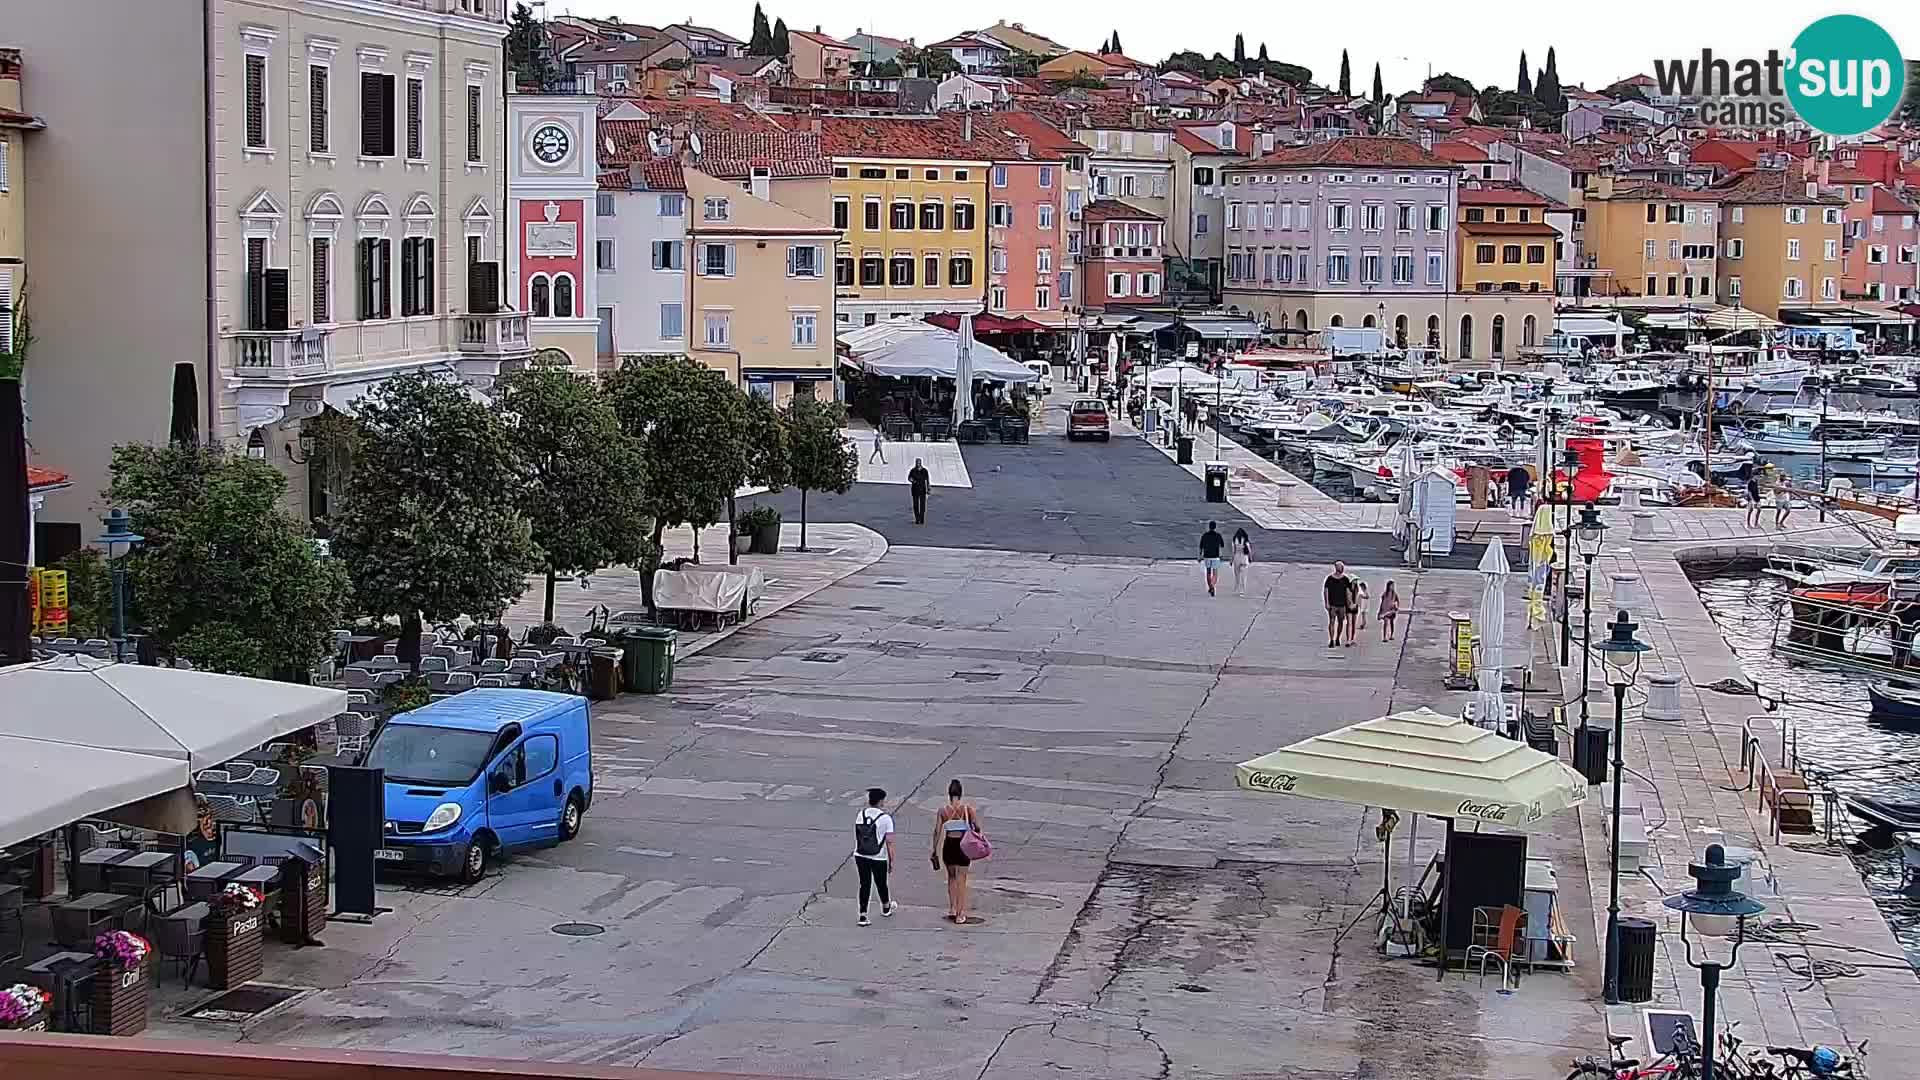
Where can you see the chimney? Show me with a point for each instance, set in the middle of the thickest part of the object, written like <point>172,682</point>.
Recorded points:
<point>1023,146</point>
<point>760,182</point>
<point>966,127</point>
<point>1813,189</point>
<point>1603,186</point>
<point>816,126</point>
<point>816,28</point>
<point>1826,172</point>
<point>1426,139</point>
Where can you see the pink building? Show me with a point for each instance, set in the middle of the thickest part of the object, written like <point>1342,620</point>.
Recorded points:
<point>1125,249</point>
<point>1878,240</point>
<point>1025,233</point>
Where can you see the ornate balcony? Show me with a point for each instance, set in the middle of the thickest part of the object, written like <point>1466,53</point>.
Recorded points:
<point>281,355</point>
<point>501,336</point>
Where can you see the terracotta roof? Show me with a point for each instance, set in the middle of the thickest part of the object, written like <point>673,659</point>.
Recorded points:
<point>1770,186</point>
<point>880,39</point>
<point>936,138</point>
<point>700,114</point>
<point>662,174</point>
<point>623,52</point>
<point>1886,202</point>
<point>1648,189</point>
<point>1115,210</point>
<point>615,180</point>
<point>738,65</point>
<point>828,40</point>
<point>38,478</point>
<point>1100,114</point>
<point>708,31</point>
<point>1190,135</point>
<point>1044,137</point>
<point>12,119</point>
<point>1460,151</point>
<point>728,154</point>
<point>1509,228</point>
<point>1359,151</point>
<point>1846,174</point>
<point>1503,195</point>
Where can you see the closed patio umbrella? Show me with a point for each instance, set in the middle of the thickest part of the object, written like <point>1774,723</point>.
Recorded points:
<point>1492,624</point>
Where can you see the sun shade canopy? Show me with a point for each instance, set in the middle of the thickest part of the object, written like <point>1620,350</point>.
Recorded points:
<point>1423,762</point>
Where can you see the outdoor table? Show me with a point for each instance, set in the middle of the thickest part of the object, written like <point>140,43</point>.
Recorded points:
<point>68,976</point>
<point>97,910</point>
<point>208,879</point>
<point>364,646</point>
<point>138,873</point>
<point>264,878</point>
<point>92,873</point>
<point>13,925</point>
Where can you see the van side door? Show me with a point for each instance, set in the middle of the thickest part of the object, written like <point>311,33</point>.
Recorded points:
<point>520,801</point>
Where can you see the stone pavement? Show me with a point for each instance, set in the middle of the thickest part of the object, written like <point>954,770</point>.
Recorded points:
<point>1143,918</point>
<point>834,552</point>
<point>1693,792</point>
<point>945,466</point>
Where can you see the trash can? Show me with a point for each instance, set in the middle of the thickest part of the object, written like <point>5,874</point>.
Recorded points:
<point>653,674</point>
<point>1590,752</point>
<point>1183,450</point>
<point>1217,481</point>
<point>1636,959</point>
<point>603,674</point>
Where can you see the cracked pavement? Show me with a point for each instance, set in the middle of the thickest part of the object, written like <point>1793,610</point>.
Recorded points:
<point>1144,918</point>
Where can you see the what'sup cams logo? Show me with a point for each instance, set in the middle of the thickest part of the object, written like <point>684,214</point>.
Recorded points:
<point>1843,75</point>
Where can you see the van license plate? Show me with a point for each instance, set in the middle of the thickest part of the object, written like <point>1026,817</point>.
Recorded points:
<point>387,854</point>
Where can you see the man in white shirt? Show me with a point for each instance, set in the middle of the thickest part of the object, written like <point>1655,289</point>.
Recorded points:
<point>873,851</point>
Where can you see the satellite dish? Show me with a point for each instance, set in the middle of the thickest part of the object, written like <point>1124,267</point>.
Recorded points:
<point>693,143</point>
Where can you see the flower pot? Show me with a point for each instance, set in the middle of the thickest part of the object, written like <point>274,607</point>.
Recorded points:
<point>234,954</point>
<point>35,1022</point>
<point>120,999</point>
<point>766,539</point>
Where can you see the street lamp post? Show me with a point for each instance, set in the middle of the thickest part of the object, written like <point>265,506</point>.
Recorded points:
<point>1825,384</point>
<point>1621,652</point>
<point>1716,909</point>
<point>118,539</point>
<point>1587,535</point>
<point>1569,463</point>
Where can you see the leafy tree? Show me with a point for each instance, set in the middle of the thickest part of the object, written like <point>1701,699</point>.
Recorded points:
<point>527,50</point>
<point>885,69</point>
<point>760,42</point>
<point>782,47</point>
<point>1022,64</point>
<point>1083,80</point>
<point>1379,89</point>
<point>581,474</point>
<point>89,593</point>
<point>690,423</point>
<point>225,578</point>
<point>1448,83</point>
<point>430,526</point>
<point>1239,51</point>
<point>932,63</point>
<point>1525,85</point>
<point>1909,109</point>
<point>821,459</point>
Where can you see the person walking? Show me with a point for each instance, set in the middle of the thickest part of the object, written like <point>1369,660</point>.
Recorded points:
<point>1337,588</point>
<point>873,851</point>
<point>1211,545</point>
<point>1519,481</point>
<point>918,482</point>
<point>1782,497</point>
<point>879,448</point>
<point>951,823</point>
<point>1753,496</point>
<point>1357,610</point>
<point>1389,611</point>
<point>1242,556</point>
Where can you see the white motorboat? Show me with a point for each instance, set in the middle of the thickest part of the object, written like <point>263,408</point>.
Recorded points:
<point>1744,367</point>
<point>1841,569</point>
<point>1805,431</point>
<point>1629,384</point>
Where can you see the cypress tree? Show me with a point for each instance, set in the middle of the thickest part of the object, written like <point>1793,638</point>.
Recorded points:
<point>781,46</point>
<point>1240,52</point>
<point>1346,75</point>
<point>1379,90</point>
<point>1525,85</point>
<point>1116,42</point>
<point>761,41</point>
<point>1547,89</point>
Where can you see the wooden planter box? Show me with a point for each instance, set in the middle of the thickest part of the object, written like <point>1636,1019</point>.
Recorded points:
<point>303,911</point>
<point>36,1022</point>
<point>234,947</point>
<point>120,999</point>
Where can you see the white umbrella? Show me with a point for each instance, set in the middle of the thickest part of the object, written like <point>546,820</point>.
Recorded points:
<point>1493,633</point>
<point>963,373</point>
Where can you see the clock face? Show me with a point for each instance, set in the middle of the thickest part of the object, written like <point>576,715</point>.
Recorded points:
<point>550,143</point>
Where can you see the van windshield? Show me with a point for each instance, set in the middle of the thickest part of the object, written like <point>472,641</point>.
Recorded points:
<point>438,757</point>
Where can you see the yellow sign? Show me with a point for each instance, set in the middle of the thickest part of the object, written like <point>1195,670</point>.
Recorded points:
<point>1462,645</point>
<point>33,599</point>
<point>53,600</point>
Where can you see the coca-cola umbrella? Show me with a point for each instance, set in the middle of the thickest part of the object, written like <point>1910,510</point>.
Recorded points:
<point>1423,762</point>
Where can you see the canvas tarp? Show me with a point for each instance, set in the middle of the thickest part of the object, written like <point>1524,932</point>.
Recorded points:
<point>1423,762</point>
<point>905,348</point>
<point>698,590</point>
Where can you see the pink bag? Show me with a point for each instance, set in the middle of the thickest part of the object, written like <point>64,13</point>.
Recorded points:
<point>974,846</point>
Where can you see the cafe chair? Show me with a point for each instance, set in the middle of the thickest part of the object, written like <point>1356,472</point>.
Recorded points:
<point>181,937</point>
<point>213,776</point>
<point>1496,932</point>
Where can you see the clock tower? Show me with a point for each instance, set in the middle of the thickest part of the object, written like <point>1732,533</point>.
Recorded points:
<point>552,173</point>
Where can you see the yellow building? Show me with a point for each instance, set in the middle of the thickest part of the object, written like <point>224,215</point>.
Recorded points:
<point>1657,239</point>
<point>1505,242</point>
<point>910,204</point>
<point>760,298</point>
<point>1779,241</point>
<point>14,126</point>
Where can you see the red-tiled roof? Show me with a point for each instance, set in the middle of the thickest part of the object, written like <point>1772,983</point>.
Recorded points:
<point>702,114</point>
<point>1488,194</point>
<point>624,52</point>
<point>1044,137</point>
<point>38,478</point>
<point>1100,114</point>
<point>1770,186</point>
<point>1460,151</point>
<point>707,31</point>
<point>615,180</point>
<point>934,138</point>
<point>964,41</point>
<point>828,40</point>
<point>662,174</point>
<point>1115,210</point>
<point>1648,189</point>
<point>733,155</point>
<point>1509,228</point>
<point>1886,202</point>
<point>10,118</point>
<point>1196,138</point>
<point>1360,151</point>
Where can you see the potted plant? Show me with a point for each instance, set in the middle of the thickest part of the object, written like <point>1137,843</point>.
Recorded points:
<point>120,988</point>
<point>234,936</point>
<point>24,1008</point>
<point>763,524</point>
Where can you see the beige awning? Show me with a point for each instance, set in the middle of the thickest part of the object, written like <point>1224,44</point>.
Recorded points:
<point>1425,763</point>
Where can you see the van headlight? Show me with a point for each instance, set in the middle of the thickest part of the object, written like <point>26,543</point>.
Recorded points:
<point>443,815</point>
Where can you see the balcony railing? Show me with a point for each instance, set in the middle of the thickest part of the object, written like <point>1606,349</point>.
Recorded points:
<point>282,354</point>
<point>500,334</point>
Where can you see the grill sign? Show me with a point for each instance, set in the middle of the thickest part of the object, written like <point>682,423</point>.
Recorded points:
<point>1265,781</point>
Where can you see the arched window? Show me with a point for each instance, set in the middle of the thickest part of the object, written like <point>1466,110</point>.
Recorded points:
<point>1400,331</point>
<point>1336,321</point>
<point>1300,319</point>
<point>1433,331</point>
<point>563,296</point>
<point>1367,322</point>
<point>537,304</point>
<point>1466,336</point>
<point>1499,335</point>
<point>1527,330</point>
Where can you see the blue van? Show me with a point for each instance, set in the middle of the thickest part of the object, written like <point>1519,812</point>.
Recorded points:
<point>480,773</point>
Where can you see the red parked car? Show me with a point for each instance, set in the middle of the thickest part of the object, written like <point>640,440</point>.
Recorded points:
<point>1088,418</point>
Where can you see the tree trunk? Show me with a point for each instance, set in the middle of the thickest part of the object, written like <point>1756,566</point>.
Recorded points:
<point>16,624</point>
<point>733,530</point>
<point>803,519</point>
<point>408,648</point>
<point>696,543</point>
<point>550,581</point>
<point>647,567</point>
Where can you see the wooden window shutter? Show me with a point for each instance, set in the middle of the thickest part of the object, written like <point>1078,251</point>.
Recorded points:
<point>384,256</point>
<point>322,280</point>
<point>408,247</point>
<point>426,277</point>
<point>473,123</point>
<point>363,279</point>
<point>6,310</point>
<point>416,104</point>
<point>256,90</point>
<point>317,140</point>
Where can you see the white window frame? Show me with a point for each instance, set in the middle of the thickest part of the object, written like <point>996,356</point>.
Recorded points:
<point>716,208</point>
<point>1793,249</point>
<point>793,261</point>
<point>477,80</point>
<point>675,200</point>
<point>680,316</point>
<point>419,70</point>
<point>806,324</point>
<point>1650,250</point>
<point>1879,250</point>
<point>320,53</point>
<point>712,318</point>
<point>1796,215</point>
<point>604,255</point>
<point>1829,289</point>
<point>1117,284</point>
<point>1793,289</point>
<point>1043,217</point>
<point>1736,248</point>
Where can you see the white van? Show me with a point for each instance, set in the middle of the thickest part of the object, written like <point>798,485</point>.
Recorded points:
<point>1044,370</point>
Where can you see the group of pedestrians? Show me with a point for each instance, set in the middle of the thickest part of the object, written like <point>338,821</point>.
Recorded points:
<point>958,842</point>
<point>1346,597</point>
<point>1214,550</point>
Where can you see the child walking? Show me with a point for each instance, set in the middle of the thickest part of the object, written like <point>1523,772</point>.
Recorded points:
<point>1389,611</point>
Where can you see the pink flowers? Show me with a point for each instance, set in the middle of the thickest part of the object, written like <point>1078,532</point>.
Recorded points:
<point>236,897</point>
<point>122,948</point>
<point>19,1001</point>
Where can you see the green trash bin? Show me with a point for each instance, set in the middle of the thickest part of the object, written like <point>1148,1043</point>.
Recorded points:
<point>649,652</point>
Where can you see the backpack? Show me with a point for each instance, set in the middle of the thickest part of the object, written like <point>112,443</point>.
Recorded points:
<point>866,835</point>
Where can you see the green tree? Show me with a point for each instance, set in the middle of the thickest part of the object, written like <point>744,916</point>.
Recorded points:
<point>1909,109</point>
<point>527,51</point>
<point>225,578</point>
<point>690,423</point>
<point>89,594</point>
<point>581,474</point>
<point>1448,83</point>
<point>820,457</point>
<point>430,527</point>
<point>1346,75</point>
<point>1379,88</point>
<point>1263,56</point>
<point>1525,85</point>
<point>782,47</point>
<point>1083,80</point>
<point>931,63</point>
<point>760,42</point>
<point>1239,51</point>
<point>1113,46</point>
<point>1023,65</point>
<point>1547,87</point>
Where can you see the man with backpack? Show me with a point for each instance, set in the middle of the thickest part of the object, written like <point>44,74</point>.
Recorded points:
<point>873,852</point>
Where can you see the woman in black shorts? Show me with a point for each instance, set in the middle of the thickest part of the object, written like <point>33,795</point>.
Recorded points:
<point>950,823</point>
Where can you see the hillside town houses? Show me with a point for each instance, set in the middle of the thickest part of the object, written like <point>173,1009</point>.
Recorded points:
<point>402,185</point>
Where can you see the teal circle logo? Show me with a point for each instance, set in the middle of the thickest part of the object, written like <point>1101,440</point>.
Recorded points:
<point>1846,76</point>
